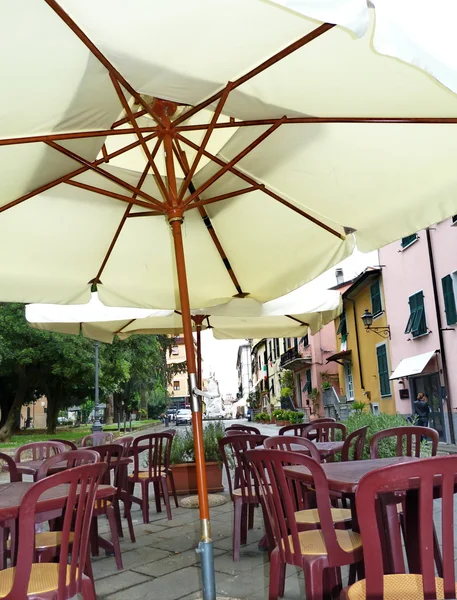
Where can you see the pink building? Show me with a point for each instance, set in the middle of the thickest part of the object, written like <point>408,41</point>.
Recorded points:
<point>307,358</point>
<point>420,286</point>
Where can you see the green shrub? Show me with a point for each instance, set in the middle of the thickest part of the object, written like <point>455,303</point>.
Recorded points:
<point>387,447</point>
<point>295,417</point>
<point>263,416</point>
<point>182,449</point>
<point>358,406</point>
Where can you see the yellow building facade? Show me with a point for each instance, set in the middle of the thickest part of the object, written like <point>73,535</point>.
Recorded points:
<point>364,365</point>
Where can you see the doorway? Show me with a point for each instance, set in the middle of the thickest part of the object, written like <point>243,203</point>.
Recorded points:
<point>430,386</point>
<point>349,381</point>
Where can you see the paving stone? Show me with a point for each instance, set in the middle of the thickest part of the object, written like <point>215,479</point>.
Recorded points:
<point>118,582</point>
<point>243,584</point>
<point>250,558</point>
<point>174,562</point>
<point>179,543</point>
<point>169,587</point>
<point>133,558</point>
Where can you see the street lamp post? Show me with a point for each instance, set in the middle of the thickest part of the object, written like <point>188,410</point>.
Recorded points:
<point>97,426</point>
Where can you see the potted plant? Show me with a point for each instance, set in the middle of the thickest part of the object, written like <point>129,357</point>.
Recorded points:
<point>280,417</point>
<point>314,395</point>
<point>183,464</point>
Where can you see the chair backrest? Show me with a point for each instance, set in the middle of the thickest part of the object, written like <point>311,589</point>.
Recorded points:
<point>10,467</point>
<point>111,455</point>
<point>293,443</point>
<point>232,449</point>
<point>245,428</point>
<point>125,441</point>
<point>69,445</point>
<point>97,439</point>
<point>355,441</point>
<point>68,460</point>
<point>407,440</point>
<point>81,487</point>
<point>325,432</point>
<point>38,451</point>
<point>431,475</point>
<point>278,494</point>
<point>157,447</point>
<point>296,430</point>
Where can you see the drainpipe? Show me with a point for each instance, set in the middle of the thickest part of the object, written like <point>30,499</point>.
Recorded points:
<point>440,335</point>
<point>362,385</point>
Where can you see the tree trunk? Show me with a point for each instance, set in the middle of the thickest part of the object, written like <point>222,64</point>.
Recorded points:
<point>109,410</point>
<point>52,414</point>
<point>7,430</point>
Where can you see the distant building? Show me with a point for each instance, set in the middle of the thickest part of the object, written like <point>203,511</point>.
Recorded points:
<point>178,389</point>
<point>420,279</point>
<point>243,369</point>
<point>34,414</point>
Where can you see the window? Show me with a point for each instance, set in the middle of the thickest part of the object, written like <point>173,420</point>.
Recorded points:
<point>176,386</point>
<point>286,344</point>
<point>417,325</point>
<point>449,300</point>
<point>454,219</point>
<point>270,350</point>
<point>272,387</point>
<point>305,341</point>
<point>175,350</point>
<point>277,352</point>
<point>342,328</point>
<point>383,370</point>
<point>349,380</point>
<point>376,304</point>
<point>408,240</point>
<point>308,385</point>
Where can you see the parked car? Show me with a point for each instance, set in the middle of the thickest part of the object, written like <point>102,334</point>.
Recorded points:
<point>171,414</point>
<point>183,416</point>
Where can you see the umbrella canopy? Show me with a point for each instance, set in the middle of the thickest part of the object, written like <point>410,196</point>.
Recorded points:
<point>277,142</point>
<point>316,136</point>
<point>238,319</point>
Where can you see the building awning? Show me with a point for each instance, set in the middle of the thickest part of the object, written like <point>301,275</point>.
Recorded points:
<point>412,365</point>
<point>340,356</point>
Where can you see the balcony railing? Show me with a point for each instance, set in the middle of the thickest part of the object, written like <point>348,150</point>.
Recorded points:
<point>292,359</point>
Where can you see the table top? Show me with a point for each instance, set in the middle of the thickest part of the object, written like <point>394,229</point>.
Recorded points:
<point>11,495</point>
<point>345,476</point>
<point>30,467</point>
<point>327,448</point>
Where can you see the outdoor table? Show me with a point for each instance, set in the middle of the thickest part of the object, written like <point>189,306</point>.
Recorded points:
<point>11,495</point>
<point>31,467</point>
<point>329,449</point>
<point>344,477</point>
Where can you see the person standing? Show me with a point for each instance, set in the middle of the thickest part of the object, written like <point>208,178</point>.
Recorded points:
<point>422,410</point>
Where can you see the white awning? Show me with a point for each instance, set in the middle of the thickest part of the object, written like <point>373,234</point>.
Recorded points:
<point>412,365</point>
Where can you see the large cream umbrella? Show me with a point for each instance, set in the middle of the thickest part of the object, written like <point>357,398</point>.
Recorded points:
<point>279,141</point>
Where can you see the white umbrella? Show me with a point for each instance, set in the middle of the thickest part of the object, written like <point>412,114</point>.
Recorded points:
<point>277,142</point>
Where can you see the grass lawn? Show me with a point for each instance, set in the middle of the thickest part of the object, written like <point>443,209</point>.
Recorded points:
<point>64,433</point>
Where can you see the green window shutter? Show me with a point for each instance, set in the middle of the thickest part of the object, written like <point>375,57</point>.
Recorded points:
<point>383,370</point>
<point>342,328</point>
<point>409,239</point>
<point>418,322</point>
<point>308,386</point>
<point>449,300</point>
<point>376,304</point>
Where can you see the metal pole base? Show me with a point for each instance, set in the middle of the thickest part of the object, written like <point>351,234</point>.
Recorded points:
<point>205,549</point>
<point>97,426</point>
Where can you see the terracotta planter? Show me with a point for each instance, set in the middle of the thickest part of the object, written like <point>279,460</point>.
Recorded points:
<point>280,423</point>
<point>185,476</point>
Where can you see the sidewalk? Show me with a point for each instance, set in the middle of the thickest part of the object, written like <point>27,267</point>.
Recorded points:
<point>163,562</point>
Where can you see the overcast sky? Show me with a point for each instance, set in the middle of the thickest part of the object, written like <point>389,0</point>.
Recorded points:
<point>219,356</point>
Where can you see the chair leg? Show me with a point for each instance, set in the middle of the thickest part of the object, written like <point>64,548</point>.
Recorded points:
<point>128,515</point>
<point>277,576</point>
<point>173,488</point>
<point>88,589</point>
<point>145,501</point>
<point>110,513</point>
<point>251,516</point>
<point>237,518</point>
<point>156,485</point>
<point>313,580</point>
<point>166,498</point>
<point>94,537</point>
<point>244,524</point>
<point>117,512</point>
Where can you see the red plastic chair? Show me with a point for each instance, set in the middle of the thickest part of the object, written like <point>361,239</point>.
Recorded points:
<point>66,460</point>
<point>408,440</point>
<point>97,439</point>
<point>325,432</point>
<point>9,526</point>
<point>65,579</point>
<point>157,460</point>
<point>69,445</point>
<point>354,444</point>
<point>125,442</point>
<point>318,552</point>
<point>296,430</point>
<point>242,490</point>
<point>432,477</point>
<point>243,429</point>
<point>36,451</point>
<point>293,443</point>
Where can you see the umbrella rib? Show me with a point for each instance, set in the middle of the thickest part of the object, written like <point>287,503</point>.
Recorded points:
<point>224,196</point>
<point>154,202</point>
<point>182,159</point>
<point>108,193</point>
<point>204,142</point>
<point>120,226</point>
<point>137,114</point>
<point>234,161</point>
<point>139,135</point>
<point>312,35</point>
<point>54,5</point>
<point>311,120</point>
<point>297,320</point>
<point>73,135</point>
<point>270,193</point>
<point>68,176</point>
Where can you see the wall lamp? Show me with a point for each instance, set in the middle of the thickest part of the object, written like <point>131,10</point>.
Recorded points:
<point>367,319</point>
